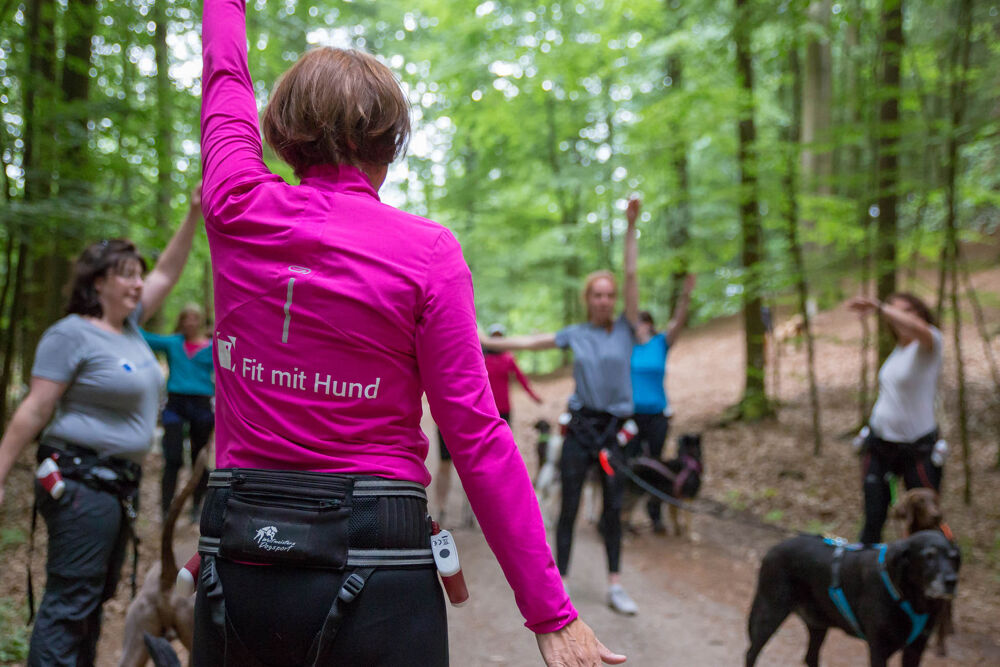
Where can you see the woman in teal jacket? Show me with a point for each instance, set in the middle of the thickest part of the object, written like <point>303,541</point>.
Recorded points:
<point>190,389</point>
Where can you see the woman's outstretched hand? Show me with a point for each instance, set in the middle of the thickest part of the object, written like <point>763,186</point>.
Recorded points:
<point>575,645</point>
<point>632,211</point>
<point>862,305</point>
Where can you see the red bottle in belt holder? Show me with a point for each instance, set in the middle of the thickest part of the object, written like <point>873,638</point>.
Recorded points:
<point>50,478</point>
<point>446,559</point>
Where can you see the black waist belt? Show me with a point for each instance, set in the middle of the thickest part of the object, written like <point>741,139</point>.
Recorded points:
<point>86,465</point>
<point>924,441</point>
<point>309,519</point>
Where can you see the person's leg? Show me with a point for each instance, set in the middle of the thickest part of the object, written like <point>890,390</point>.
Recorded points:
<point>173,452</point>
<point>917,468</point>
<point>613,491</point>
<point>874,468</point>
<point>657,428</point>
<point>83,562</point>
<point>573,466</point>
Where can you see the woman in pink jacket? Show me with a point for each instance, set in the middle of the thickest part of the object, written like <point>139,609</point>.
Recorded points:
<point>335,312</point>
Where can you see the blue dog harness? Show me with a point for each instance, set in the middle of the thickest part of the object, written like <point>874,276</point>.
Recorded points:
<point>917,621</point>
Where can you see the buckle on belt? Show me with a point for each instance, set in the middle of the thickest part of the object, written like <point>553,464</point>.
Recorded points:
<point>351,587</point>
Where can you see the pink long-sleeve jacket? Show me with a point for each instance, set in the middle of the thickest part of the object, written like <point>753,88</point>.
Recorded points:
<point>334,313</point>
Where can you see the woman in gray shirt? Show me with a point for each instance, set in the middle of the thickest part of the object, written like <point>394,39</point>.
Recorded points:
<point>902,430</point>
<point>98,387</point>
<point>601,402</point>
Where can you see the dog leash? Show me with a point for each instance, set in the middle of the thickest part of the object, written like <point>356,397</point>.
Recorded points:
<point>618,466</point>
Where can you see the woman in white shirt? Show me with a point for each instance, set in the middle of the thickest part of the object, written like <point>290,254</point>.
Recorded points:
<point>902,427</point>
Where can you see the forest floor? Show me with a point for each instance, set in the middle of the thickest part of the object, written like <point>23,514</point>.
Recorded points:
<point>693,591</point>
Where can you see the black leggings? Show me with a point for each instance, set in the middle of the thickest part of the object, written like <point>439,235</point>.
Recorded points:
<point>649,441</point>
<point>909,460</point>
<point>587,434</point>
<point>184,409</point>
<point>273,613</point>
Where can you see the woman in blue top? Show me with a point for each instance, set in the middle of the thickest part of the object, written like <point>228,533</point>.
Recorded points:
<point>649,368</point>
<point>190,388</point>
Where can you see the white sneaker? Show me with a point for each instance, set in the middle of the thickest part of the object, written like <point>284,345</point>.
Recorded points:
<point>620,601</point>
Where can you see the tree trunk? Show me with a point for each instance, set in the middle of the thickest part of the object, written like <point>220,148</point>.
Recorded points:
<point>678,235</point>
<point>817,100</point>
<point>164,130</point>
<point>40,95</point>
<point>888,161</point>
<point>754,403</point>
<point>795,247</point>
<point>960,68</point>
<point>13,322</point>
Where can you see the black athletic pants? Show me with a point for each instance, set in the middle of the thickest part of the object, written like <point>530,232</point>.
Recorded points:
<point>181,410</point>
<point>86,549</point>
<point>649,441</point>
<point>273,613</point>
<point>589,431</point>
<point>909,460</point>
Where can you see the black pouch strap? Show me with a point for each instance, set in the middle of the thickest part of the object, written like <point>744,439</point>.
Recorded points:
<point>353,584</point>
<point>31,551</point>
<point>208,578</point>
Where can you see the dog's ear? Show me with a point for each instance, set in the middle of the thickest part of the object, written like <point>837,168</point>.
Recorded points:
<point>903,511</point>
<point>898,559</point>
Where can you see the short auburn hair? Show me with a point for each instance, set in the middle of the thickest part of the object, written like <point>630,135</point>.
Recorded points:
<point>337,106</point>
<point>97,261</point>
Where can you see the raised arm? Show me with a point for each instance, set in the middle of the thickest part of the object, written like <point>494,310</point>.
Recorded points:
<point>232,154</point>
<point>631,264</point>
<point>171,263</point>
<point>908,324</point>
<point>545,341</point>
<point>680,315</point>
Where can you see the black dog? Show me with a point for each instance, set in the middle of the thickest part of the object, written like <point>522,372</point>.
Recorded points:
<point>678,478</point>
<point>889,595</point>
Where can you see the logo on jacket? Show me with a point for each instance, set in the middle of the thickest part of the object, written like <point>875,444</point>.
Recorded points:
<point>226,352</point>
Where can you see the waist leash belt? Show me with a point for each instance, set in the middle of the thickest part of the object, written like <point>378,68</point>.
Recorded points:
<point>268,516</point>
<point>918,622</point>
<point>111,475</point>
<point>587,427</point>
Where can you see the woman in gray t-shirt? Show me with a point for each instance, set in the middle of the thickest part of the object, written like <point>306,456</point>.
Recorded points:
<point>97,386</point>
<point>601,402</point>
<point>902,430</point>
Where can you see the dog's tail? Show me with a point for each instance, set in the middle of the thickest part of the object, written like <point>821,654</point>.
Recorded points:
<point>168,564</point>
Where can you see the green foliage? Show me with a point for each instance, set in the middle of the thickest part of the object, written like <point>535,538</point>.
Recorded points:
<point>533,124</point>
<point>11,536</point>
<point>14,633</point>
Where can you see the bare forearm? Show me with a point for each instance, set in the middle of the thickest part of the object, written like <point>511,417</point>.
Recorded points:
<point>679,320</point>
<point>514,343</point>
<point>175,255</point>
<point>908,324</point>
<point>631,275</point>
<point>24,427</point>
